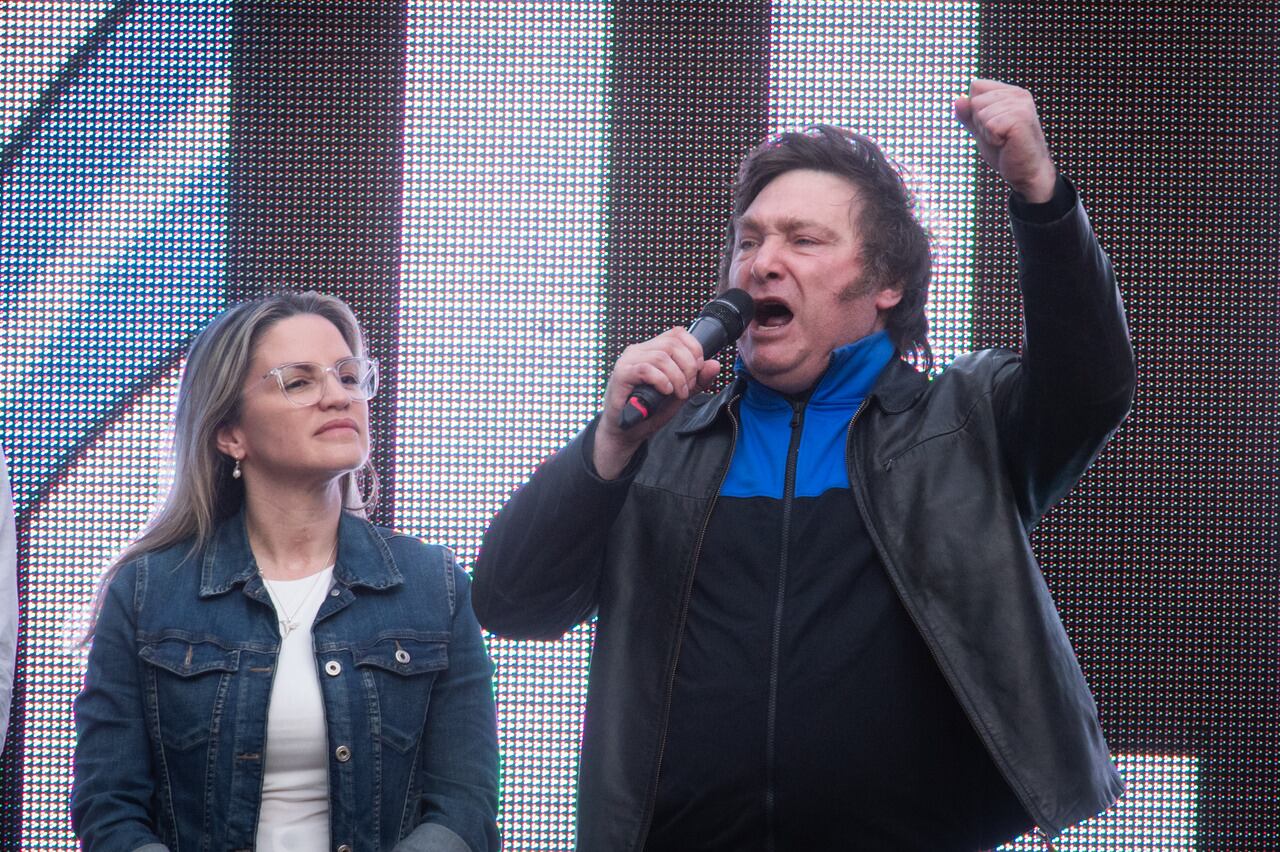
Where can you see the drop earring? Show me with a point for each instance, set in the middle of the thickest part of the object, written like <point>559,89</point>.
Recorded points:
<point>235,471</point>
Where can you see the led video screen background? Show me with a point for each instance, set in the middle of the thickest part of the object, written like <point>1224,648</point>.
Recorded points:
<point>509,193</point>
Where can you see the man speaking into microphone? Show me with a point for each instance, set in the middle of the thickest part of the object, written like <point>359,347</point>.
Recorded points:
<point>820,623</point>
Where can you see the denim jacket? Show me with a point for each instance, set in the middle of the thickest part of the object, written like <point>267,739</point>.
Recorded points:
<point>172,720</point>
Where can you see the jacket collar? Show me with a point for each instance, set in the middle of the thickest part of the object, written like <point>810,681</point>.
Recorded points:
<point>896,389</point>
<point>363,557</point>
<point>704,409</point>
<point>851,372</point>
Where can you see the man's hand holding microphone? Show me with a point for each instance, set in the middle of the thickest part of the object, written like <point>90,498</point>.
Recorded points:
<point>650,379</point>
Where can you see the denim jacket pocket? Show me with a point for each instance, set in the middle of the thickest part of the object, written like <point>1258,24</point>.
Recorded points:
<point>398,672</point>
<point>187,686</point>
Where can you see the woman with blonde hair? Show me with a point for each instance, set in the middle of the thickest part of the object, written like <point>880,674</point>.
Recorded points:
<point>269,670</point>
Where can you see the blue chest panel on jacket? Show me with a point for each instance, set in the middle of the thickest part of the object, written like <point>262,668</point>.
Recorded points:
<point>759,465</point>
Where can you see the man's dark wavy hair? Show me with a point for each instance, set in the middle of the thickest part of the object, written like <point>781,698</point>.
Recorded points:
<point>895,245</point>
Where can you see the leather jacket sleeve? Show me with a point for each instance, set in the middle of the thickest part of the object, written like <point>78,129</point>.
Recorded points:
<point>538,572</point>
<point>1075,382</point>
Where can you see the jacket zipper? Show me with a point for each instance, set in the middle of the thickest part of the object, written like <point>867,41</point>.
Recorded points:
<point>684,615</point>
<point>788,498</point>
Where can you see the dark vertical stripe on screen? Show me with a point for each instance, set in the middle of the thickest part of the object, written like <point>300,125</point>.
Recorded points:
<point>688,96</point>
<point>317,126</point>
<point>1164,562</point>
<point>997,310</point>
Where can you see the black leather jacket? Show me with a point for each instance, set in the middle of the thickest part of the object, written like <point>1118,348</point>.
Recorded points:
<point>949,476</point>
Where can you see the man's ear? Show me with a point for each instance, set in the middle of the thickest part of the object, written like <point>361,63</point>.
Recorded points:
<point>888,297</point>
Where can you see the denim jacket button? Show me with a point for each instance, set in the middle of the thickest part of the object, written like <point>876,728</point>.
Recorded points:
<point>342,753</point>
<point>333,668</point>
<point>344,848</point>
<point>402,656</point>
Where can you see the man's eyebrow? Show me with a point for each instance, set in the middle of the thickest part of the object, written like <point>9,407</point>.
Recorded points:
<point>789,225</point>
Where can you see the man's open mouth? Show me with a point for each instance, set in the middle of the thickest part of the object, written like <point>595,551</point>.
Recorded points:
<point>772,314</point>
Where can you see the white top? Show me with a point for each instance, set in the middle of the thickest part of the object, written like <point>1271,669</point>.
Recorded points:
<point>8,598</point>
<point>295,786</point>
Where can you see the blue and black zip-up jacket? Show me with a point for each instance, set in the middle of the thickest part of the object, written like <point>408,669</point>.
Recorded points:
<point>802,687</point>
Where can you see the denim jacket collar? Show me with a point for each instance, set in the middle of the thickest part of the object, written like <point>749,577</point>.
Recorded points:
<point>363,557</point>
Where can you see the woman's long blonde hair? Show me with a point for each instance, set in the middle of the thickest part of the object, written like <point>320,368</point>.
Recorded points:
<point>204,493</point>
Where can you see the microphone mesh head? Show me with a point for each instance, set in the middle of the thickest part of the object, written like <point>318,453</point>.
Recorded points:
<point>733,309</point>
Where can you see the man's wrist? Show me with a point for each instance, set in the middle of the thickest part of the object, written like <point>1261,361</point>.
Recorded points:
<point>604,466</point>
<point>1060,203</point>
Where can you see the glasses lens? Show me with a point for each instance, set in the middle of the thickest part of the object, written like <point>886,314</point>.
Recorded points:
<point>301,383</point>
<point>359,376</point>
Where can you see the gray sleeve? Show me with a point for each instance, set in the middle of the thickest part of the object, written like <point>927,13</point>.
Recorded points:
<point>8,598</point>
<point>429,837</point>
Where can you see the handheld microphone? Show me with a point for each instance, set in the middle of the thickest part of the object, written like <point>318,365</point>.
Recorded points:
<point>721,322</point>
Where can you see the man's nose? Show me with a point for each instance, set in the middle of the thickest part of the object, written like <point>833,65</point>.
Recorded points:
<point>766,263</point>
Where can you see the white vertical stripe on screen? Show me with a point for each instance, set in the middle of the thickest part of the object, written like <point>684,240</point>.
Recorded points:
<point>501,306</point>
<point>890,70</point>
<point>503,251</point>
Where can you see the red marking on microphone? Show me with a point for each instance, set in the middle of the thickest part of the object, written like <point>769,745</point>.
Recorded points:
<point>636,404</point>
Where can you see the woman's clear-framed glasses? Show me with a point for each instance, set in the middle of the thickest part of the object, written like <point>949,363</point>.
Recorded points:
<point>303,383</point>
